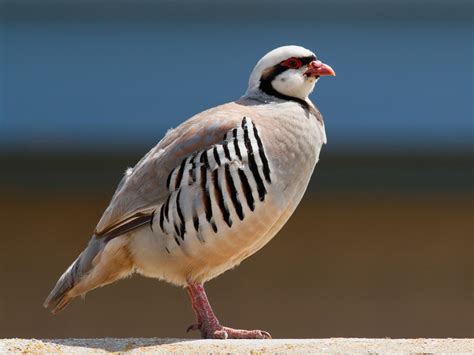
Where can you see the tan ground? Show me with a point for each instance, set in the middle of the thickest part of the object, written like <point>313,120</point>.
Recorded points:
<point>286,346</point>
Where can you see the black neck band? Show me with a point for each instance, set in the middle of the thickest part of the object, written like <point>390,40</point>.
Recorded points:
<point>267,87</point>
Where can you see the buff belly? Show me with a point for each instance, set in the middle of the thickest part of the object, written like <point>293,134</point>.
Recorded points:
<point>201,258</point>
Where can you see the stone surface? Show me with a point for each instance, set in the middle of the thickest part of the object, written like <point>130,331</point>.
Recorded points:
<point>286,346</point>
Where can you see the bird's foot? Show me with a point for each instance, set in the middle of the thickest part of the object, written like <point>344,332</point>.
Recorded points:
<point>207,322</point>
<point>231,333</point>
<point>218,331</point>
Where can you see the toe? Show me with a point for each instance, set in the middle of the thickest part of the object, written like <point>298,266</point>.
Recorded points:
<point>220,334</point>
<point>232,333</point>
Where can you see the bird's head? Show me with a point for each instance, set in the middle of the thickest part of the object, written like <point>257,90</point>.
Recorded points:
<point>288,72</point>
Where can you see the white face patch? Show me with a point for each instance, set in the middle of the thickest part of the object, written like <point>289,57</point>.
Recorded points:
<point>294,83</point>
<point>271,59</point>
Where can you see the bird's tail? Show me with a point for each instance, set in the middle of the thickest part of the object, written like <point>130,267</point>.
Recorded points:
<point>61,294</point>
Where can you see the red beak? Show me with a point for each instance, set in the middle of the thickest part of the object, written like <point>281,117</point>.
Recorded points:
<point>317,68</point>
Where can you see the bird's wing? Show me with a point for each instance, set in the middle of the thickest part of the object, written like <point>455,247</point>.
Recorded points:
<point>146,186</point>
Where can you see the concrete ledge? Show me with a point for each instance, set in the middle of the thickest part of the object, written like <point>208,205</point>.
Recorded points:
<point>287,346</point>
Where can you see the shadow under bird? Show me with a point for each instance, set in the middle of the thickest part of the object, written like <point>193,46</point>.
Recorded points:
<point>212,192</point>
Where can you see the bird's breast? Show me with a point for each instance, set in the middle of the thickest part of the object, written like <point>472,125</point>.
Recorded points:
<point>294,143</point>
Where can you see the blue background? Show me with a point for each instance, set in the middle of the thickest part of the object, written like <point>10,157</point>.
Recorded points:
<point>106,76</point>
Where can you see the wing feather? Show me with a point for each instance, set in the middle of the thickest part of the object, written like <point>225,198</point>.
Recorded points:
<point>144,187</point>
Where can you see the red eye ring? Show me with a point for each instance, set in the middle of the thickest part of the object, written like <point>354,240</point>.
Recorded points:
<point>292,63</point>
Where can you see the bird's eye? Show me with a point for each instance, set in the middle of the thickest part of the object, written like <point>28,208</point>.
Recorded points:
<point>292,63</point>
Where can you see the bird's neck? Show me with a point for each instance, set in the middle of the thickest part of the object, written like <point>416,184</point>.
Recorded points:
<point>272,96</point>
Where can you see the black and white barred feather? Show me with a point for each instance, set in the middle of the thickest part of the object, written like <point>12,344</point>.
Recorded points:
<point>213,188</point>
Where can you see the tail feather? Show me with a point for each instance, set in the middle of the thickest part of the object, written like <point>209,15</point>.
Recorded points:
<point>58,299</point>
<point>60,296</point>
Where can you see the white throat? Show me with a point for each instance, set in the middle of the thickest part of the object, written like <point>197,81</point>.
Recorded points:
<point>294,84</point>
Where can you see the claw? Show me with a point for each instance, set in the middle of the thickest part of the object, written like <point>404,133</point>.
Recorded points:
<point>195,326</point>
<point>265,335</point>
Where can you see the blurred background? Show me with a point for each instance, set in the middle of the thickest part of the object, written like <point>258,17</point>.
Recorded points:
<point>381,245</point>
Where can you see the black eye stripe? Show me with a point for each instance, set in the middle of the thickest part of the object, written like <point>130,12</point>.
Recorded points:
<point>280,68</point>
<point>309,59</point>
<point>306,60</point>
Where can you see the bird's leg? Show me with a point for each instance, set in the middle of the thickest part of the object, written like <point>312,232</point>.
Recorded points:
<point>207,322</point>
<point>196,326</point>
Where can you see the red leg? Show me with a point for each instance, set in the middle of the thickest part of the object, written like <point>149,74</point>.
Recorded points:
<point>207,322</point>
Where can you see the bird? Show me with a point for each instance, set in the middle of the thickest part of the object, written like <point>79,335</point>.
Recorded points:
<point>212,192</point>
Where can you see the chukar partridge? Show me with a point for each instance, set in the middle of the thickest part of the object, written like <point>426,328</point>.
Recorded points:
<point>212,192</point>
